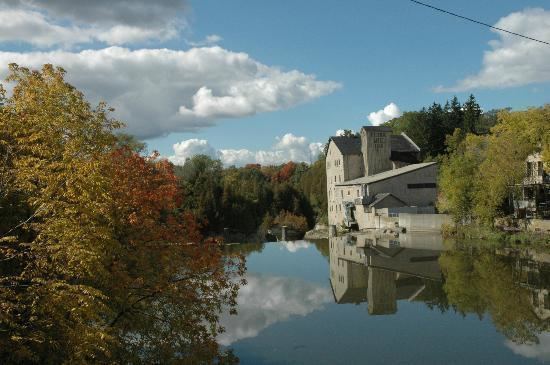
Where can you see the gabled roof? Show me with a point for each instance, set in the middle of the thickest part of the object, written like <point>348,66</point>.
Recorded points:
<point>402,143</point>
<point>347,145</point>
<point>387,174</point>
<point>379,197</point>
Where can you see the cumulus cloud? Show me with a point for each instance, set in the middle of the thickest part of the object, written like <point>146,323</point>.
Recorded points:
<point>513,61</point>
<point>68,22</point>
<point>287,148</point>
<point>159,91</point>
<point>540,351</point>
<point>191,147</point>
<point>389,112</point>
<point>266,300</point>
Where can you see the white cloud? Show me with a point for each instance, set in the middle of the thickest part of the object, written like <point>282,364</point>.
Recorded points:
<point>513,61</point>
<point>540,351</point>
<point>389,112</point>
<point>191,147</point>
<point>287,148</point>
<point>69,22</point>
<point>210,40</point>
<point>159,91</point>
<point>266,300</point>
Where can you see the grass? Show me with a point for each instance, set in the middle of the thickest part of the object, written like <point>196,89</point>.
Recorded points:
<point>488,236</point>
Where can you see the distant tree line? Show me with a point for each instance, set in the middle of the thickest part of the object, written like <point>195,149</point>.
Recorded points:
<point>248,198</point>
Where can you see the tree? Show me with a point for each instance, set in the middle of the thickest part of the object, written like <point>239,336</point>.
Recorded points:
<point>201,180</point>
<point>472,115</point>
<point>458,175</point>
<point>98,257</point>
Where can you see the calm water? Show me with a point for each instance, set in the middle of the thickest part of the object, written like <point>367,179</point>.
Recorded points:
<point>404,300</point>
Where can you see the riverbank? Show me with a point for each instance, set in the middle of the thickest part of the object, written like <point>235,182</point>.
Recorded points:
<point>497,236</point>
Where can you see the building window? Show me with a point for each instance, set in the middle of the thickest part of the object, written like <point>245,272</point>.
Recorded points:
<point>422,186</point>
<point>358,193</point>
<point>529,169</point>
<point>334,178</point>
<point>540,168</point>
<point>342,193</point>
<point>348,192</point>
<point>339,180</point>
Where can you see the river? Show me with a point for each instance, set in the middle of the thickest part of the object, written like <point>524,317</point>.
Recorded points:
<point>395,300</point>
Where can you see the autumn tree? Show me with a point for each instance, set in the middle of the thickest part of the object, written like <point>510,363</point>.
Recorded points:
<point>95,256</point>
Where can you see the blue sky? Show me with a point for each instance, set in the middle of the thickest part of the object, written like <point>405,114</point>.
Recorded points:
<point>373,52</point>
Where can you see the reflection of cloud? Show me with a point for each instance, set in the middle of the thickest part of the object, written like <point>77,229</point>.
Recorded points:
<point>266,300</point>
<point>539,350</point>
<point>295,245</point>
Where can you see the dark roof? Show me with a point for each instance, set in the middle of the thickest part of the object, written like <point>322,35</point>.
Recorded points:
<point>401,143</point>
<point>386,174</point>
<point>348,145</point>
<point>379,197</point>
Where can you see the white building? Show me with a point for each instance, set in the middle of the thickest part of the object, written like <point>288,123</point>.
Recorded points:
<point>376,170</point>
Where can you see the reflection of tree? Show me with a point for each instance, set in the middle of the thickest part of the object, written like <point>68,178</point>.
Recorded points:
<point>244,249</point>
<point>322,246</point>
<point>484,282</point>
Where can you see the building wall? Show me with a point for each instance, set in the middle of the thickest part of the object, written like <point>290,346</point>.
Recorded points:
<point>400,186</point>
<point>376,148</point>
<point>339,168</point>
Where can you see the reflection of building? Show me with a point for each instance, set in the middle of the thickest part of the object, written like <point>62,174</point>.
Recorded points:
<point>532,271</point>
<point>376,170</point>
<point>379,271</point>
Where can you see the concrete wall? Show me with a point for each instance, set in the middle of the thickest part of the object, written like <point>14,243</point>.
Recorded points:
<point>370,220</point>
<point>423,222</point>
<point>398,186</point>
<point>376,148</point>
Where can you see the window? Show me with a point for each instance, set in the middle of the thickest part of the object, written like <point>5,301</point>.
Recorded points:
<point>540,168</point>
<point>339,180</point>
<point>358,193</point>
<point>421,186</point>
<point>334,178</point>
<point>342,193</point>
<point>348,192</point>
<point>529,169</point>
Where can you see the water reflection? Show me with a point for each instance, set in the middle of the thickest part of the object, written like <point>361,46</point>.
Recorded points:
<point>266,300</point>
<point>510,285</point>
<point>381,270</point>
<point>493,302</point>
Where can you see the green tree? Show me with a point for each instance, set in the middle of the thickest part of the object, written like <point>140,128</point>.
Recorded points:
<point>472,115</point>
<point>458,175</point>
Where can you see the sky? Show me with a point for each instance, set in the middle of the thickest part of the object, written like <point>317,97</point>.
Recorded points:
<point>250,81</point>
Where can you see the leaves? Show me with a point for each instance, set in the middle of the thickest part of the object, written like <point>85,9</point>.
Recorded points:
<point>97,261</point>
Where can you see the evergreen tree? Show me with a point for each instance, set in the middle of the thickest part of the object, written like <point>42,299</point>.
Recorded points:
<point>472,115</point>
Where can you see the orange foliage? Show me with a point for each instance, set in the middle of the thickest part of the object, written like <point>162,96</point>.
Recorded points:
<point>285,172</point>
